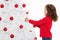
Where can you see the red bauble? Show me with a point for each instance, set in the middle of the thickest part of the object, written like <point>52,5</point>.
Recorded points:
<point>21,26</point>
<point>23,5</point>
<point>11,18</point>
<point>35,38</point>
<point>26,12</point>
<point>16,5</point>
<point>0,18</point>
<point>30,30</point>
<point>5,29</point>
<point>6,0</point>
<point>12,36</point>
<point>1,5</point>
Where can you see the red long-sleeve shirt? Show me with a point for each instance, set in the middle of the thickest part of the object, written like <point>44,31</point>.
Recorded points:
<point>45,25</point>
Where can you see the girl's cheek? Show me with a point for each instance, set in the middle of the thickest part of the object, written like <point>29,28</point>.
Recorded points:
<point>45,12</point>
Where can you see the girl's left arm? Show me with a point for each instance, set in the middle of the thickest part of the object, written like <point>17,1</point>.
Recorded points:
<point>34,23</point>
<point>38,23</point>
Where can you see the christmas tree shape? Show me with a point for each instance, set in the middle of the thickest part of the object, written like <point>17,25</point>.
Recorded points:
<point>12,24</point>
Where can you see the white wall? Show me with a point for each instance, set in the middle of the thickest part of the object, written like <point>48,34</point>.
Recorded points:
<point>36,10</point>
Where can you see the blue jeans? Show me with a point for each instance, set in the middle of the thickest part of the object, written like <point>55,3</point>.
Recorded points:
<point>46,38</point>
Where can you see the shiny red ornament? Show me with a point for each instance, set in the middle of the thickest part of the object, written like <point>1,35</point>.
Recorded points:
<point>23,5</point>
<point>5,29</point>
<point>11,18</point>
<point>16,5</point>
<point>12,36</point>
<point>0,18</point>
<point>21,26</point>
<point>1,5</point>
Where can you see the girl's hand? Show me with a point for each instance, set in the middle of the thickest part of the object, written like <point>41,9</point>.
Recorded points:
<point>34,26</point>
<point>26,20</point>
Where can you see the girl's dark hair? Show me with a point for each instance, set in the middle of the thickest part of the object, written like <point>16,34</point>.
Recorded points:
<point>51,11</point>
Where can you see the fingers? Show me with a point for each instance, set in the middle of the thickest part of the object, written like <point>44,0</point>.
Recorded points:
<point>26,19</point>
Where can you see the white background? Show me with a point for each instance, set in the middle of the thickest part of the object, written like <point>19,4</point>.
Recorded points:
<point>36,12</point>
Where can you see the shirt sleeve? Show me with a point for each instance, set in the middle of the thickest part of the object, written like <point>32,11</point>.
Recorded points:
<point>34,23</point>
<point>38,23</point>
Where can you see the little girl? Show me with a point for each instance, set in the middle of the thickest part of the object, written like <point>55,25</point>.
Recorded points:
<point>45,24</point>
